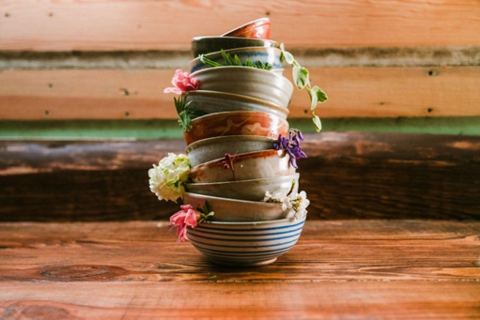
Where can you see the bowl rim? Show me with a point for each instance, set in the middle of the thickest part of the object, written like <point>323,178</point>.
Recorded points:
<point>207,141</point>
<point>211,162</point>
<point>232,38</point>
<point>234,50</point>
<point>254,23</point>
<point>238,97</point>
<point>292,176</point>
<point>234,113</point>
<point>241,49</point>
<point>244,69</point>
<point>256,203</point>
<point>252,223</point>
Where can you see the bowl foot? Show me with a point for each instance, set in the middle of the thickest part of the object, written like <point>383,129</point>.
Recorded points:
<point>242,264</point>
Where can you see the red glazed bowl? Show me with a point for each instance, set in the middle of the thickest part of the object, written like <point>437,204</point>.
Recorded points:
<point>230,123</point>
<point>257,29</point>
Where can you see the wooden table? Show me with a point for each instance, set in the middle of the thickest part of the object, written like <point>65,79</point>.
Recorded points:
<point>350,269</point>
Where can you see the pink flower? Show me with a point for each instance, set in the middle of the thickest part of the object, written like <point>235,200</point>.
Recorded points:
<point>187,217</point>
<point>182,83</point>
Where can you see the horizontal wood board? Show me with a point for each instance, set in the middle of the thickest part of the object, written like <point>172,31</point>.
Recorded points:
<point>337,270</point>
<point>138,94</point>
<point>346,176</point>
<point>165,25</point>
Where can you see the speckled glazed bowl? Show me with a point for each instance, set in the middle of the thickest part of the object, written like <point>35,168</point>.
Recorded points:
<point>206,102</point>
<point>251,165</point>
<point>215,148</point>
<point>234,210</point>
<point>245,244</point>
<point>203,45</point>
<point>251,190</point>
<point>257,29</point>
<point>252,82</point>
<point>252,123</point>
<point>254,54</point>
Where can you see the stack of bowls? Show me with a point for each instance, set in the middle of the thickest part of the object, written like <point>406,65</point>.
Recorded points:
<point>240,113</point>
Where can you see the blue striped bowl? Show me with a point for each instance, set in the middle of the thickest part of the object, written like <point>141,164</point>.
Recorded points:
<point>245,244</point>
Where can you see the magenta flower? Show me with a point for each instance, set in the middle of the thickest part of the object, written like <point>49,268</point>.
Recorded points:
<point>187,217</point>
<point>291,145</point>
<point>182,83</point>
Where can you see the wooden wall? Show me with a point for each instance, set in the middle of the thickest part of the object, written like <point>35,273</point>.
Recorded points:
<point>68,60</point>
<point>111,59</point>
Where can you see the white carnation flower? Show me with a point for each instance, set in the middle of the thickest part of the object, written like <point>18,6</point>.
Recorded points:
<point>300,205</point>
<point>168,178</point>
<point>278,197</point>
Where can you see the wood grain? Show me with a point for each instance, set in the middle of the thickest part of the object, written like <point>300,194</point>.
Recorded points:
<point>138,94</point>
<point>338,270</point>
<point>146,25</point>
<point>346,176</point>
<point>370,250</point>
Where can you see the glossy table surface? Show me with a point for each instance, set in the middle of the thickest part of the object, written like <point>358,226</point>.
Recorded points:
<point>344,269</point>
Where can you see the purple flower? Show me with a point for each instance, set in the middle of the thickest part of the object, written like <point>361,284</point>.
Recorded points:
<point>291,145</point>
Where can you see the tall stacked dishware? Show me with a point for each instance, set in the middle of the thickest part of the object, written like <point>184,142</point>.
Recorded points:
<point>242,182</point>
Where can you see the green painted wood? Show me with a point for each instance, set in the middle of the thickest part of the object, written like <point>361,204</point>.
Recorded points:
<point>167,129</point>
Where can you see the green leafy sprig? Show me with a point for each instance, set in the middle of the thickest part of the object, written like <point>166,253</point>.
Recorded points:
<point>302,81</point>
<point>184,111</point>
<point>205,213</point>
<point>234,61</point>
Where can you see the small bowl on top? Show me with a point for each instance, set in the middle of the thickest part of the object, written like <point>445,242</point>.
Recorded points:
<point>214,148</point>
<point>270,56</point>
<point>256,29</point>
<point>250,123</point>
<point>252,82</point>
<point>244,166</point>
<point>251,190</point>
<point>233,210</point>
<point>245,244</point>
<point>203,45</point>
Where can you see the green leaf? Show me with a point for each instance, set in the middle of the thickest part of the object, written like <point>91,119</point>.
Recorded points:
<point>316,96</point>
<point>208,62</point>
<point>317,122</point>
<point>300,76</point>
<point>238,62</point>
<point>287,56</point>
<point>185,121</point>
<point>228,58</point>
<point>268,66</point>
<point>321,95</point>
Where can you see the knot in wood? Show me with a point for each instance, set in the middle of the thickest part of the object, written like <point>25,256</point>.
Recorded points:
<point>73,272</point>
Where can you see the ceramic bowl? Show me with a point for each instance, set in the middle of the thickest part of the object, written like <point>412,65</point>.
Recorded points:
<point>245,244</point>
<point>252,190</point>
<point>234,210</point>
<point>206,102</point>
<point>203,45</point>
<point>254,54</point>
<point>252,82</point>
<point>252,123</point>
<point>259,29</point>
<point>251,165</point>
<point>215,148</point>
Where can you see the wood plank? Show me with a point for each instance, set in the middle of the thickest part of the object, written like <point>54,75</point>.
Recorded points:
<point>338,270</point>
<point>138,94</point>
<point>370,250</point>
<point>406,300</point>
<point>146,25</point>
<point>346,176</point>
<point>317,57</point>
